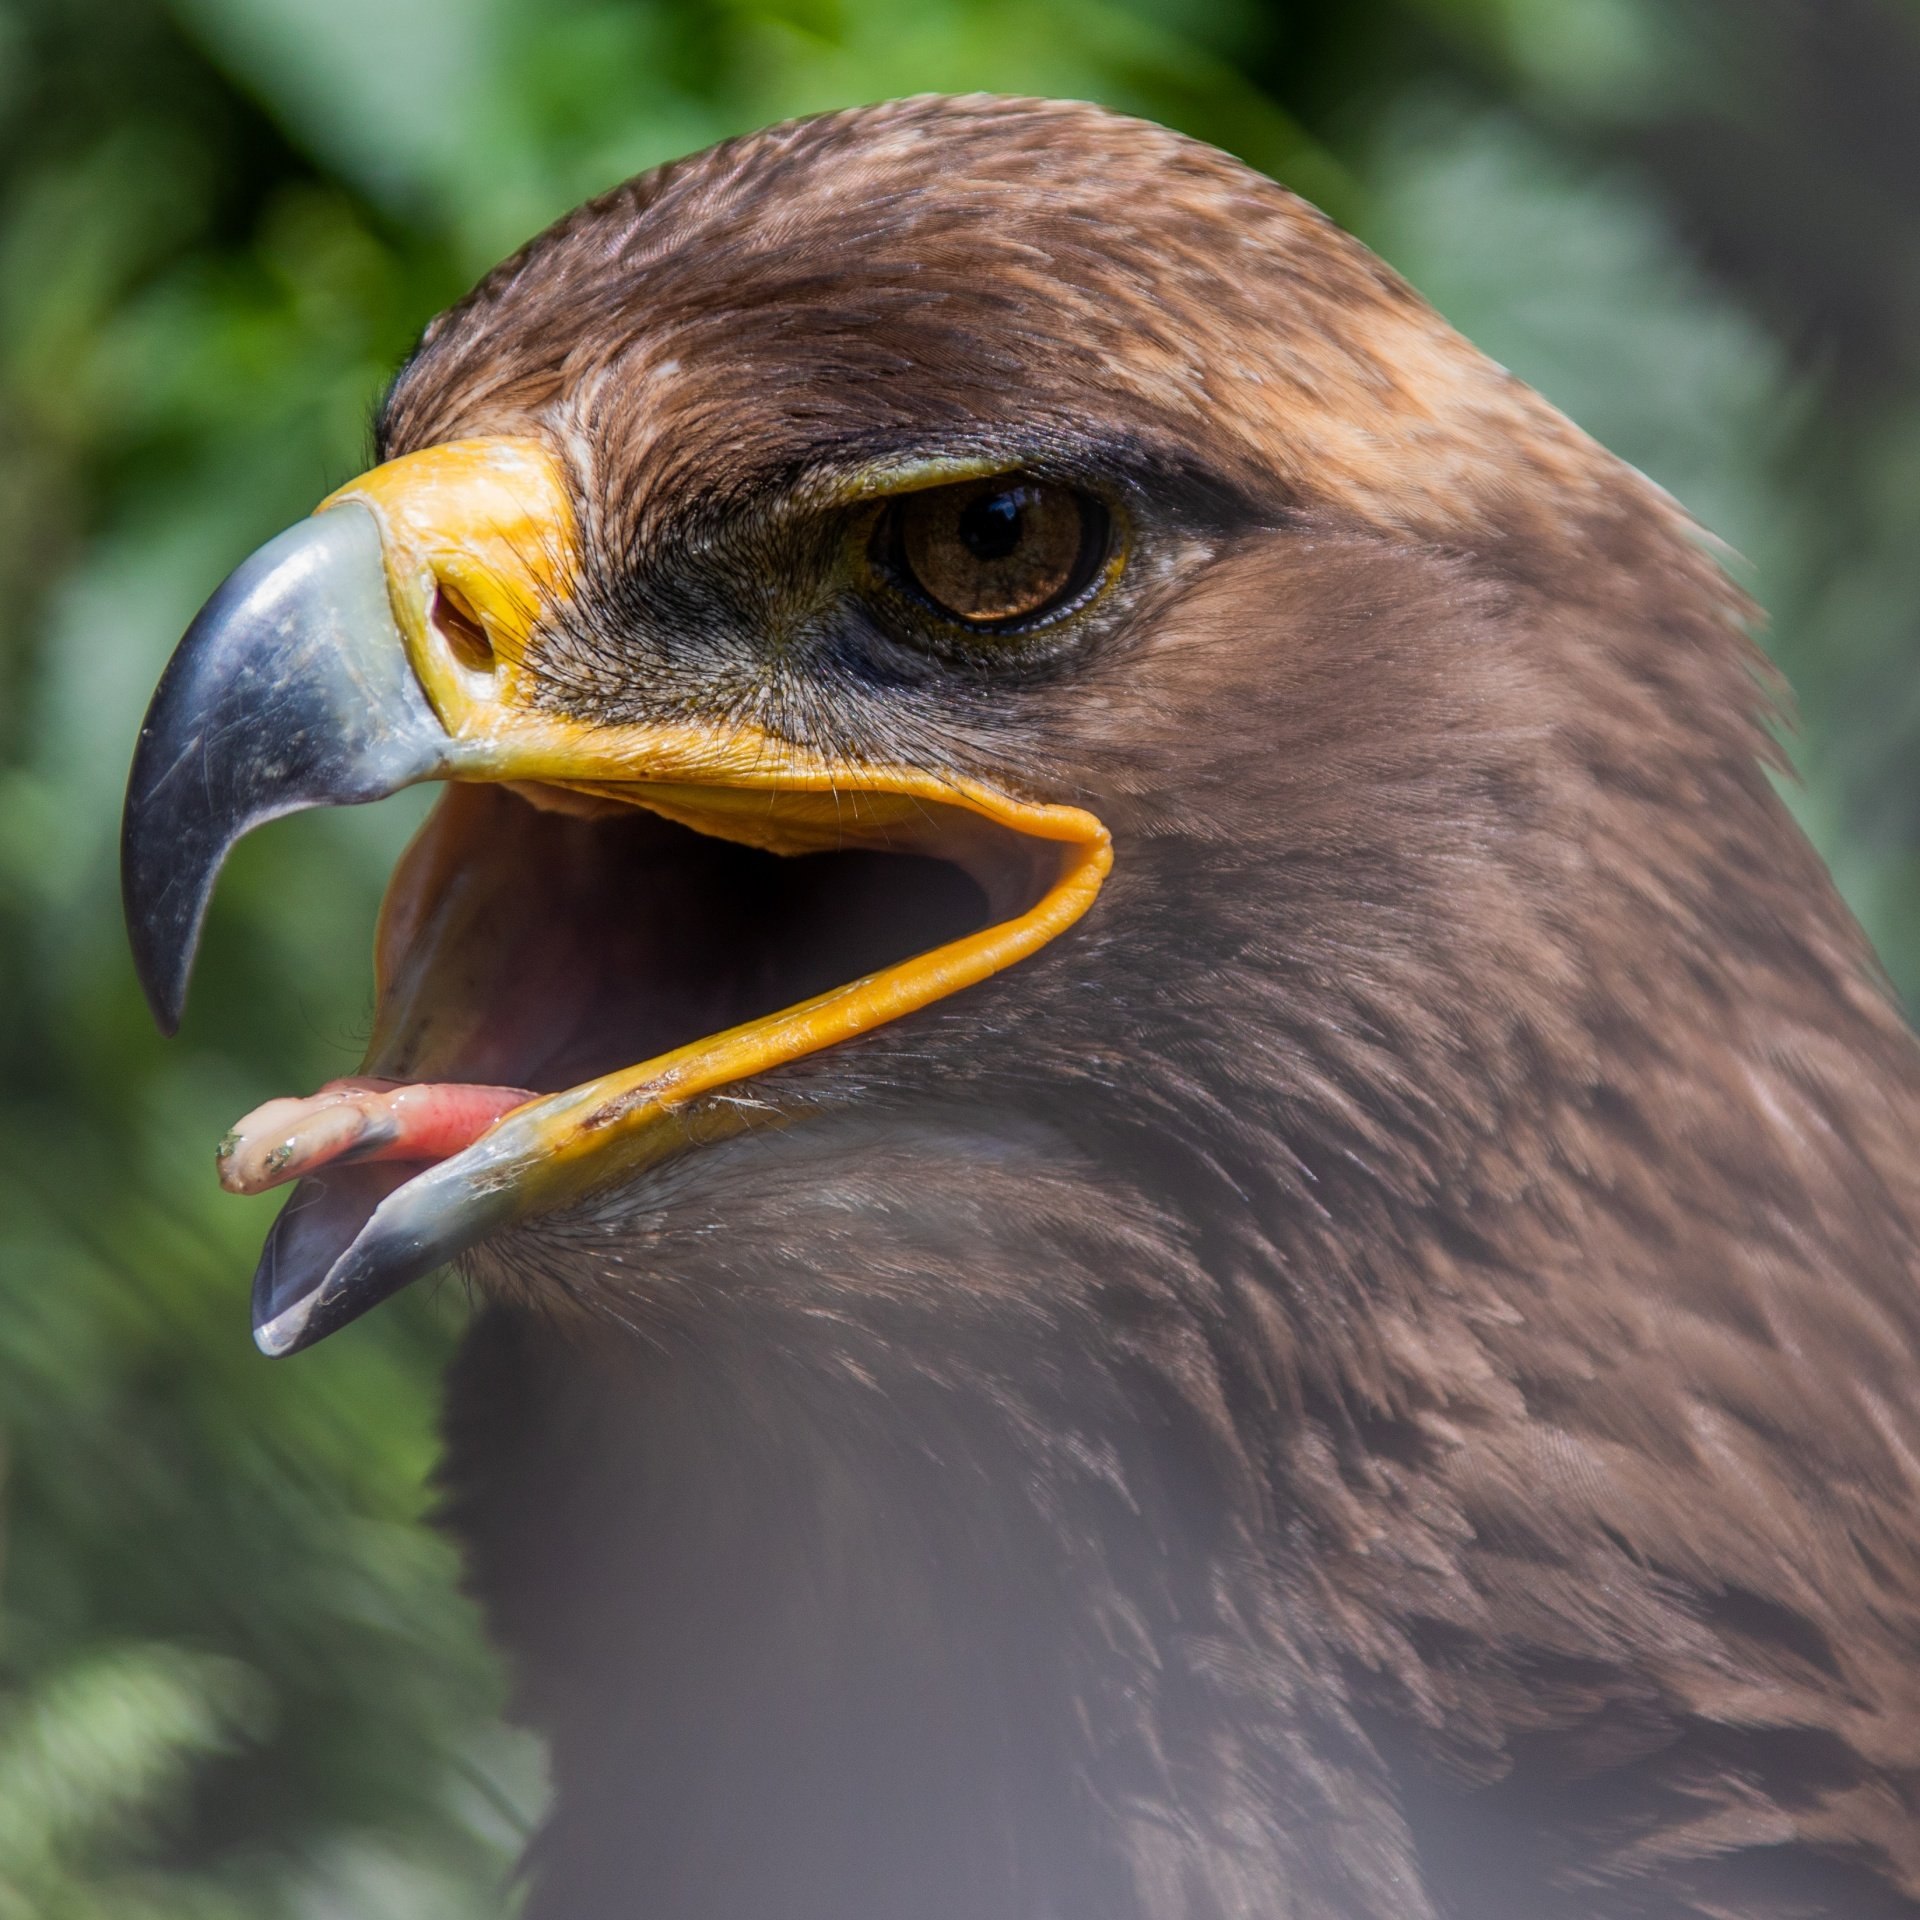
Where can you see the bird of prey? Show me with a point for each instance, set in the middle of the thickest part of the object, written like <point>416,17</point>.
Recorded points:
<point>1187,1202</point>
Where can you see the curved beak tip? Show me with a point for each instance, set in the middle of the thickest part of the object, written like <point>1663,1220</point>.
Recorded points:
<point>280,1337</point>
<point>291,689</point>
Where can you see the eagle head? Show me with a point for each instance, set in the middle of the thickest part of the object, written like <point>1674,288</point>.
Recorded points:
<point>1175,1152</point>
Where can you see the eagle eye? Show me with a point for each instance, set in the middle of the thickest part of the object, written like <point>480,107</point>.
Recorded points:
<point>995,553</point>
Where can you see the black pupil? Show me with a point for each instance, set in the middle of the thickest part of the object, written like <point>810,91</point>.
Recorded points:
<point>990,526</point>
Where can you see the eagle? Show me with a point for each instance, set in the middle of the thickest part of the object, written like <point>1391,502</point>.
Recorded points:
<point>1185,1201</point>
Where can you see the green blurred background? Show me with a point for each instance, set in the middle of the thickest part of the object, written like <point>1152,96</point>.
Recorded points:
<point>236,1675</point>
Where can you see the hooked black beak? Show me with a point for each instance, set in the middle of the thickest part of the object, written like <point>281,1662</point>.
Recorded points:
<point>290,690</point>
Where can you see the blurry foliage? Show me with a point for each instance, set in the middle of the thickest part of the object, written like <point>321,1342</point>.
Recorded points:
<point>236,1676</point>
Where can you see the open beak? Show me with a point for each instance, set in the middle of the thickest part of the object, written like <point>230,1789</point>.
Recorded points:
<point>547,911</point>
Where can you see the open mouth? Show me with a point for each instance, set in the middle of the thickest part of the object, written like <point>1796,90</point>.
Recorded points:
<point>603,938</point>
<point>529,949</point>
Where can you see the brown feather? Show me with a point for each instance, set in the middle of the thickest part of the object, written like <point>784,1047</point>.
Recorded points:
<point>1375,1378</point>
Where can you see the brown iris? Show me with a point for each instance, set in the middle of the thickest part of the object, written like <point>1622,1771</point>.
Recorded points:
<point>996,552</point>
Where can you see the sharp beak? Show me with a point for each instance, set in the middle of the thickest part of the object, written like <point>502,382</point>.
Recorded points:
<point>386,641</point>
<point>290,690</point>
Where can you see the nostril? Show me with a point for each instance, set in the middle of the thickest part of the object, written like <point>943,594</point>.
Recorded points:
<point>462,631</point>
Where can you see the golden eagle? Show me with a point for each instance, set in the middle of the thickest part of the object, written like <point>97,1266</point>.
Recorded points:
<point>1190,1205</point>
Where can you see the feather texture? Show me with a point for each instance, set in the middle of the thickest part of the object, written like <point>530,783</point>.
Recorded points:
<point>1374,1378</point>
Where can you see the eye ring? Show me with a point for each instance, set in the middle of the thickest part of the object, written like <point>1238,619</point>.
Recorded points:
<point>1002,554</point>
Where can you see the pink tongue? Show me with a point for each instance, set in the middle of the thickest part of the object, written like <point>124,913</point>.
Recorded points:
<point>357,1121</point>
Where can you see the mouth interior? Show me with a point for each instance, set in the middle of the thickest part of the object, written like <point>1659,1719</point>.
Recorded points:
<point>532,944</point>
<point>576,942</point>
